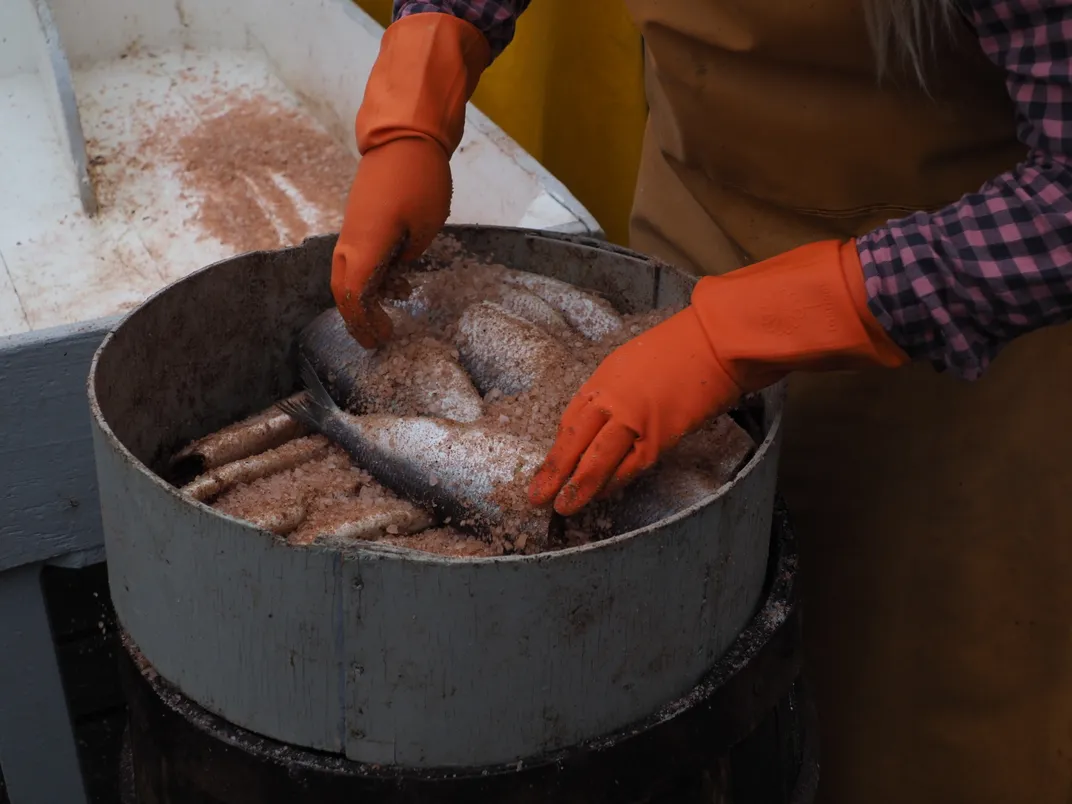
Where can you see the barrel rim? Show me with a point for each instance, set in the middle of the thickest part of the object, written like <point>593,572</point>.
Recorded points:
<point>355,550</point>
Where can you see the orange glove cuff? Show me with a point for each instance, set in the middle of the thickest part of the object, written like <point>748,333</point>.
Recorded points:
<point>802,310</point>
<point>427,69</point>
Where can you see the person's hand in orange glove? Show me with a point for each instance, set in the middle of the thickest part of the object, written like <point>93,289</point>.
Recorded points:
<point>803,310</point>
<point>410,122</point>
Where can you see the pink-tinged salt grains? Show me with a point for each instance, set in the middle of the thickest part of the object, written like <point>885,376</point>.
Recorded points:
<point>332,493</point>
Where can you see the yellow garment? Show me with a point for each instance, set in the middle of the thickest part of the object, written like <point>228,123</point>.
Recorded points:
<point>570,91</point>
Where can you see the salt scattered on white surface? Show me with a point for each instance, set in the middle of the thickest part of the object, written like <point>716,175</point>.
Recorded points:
<point>60,266</point>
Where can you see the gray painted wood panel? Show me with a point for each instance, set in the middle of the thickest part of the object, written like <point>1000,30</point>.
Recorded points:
<point>48,495</point>
<point>524,658</point>
<point>58,86</point>
<point>229,601</point>
<point>37,747</point>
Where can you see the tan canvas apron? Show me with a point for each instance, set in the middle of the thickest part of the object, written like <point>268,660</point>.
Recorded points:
<point>935,515</point>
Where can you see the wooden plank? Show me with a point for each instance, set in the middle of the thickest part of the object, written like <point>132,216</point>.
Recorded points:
<point>37,748</point>
<point>58,88</point>
<point>86,635</point>
<point>535,656</point>
<point>283,674</point>
<point>48,491</point>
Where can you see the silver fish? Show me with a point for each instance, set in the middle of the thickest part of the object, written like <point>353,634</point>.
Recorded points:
<point>243,439</point>
<point>459,471</point>
<point>692,472</point>
<point>281,521</point>
<point>547,302</point>
<point>532,308</point>
<point>590,315</point>
<point>503,351</point>
<point>409,375</point>
<point>419,300</point>
<point>390,518</point>
<point>432,302</point>
<point>245,470</point>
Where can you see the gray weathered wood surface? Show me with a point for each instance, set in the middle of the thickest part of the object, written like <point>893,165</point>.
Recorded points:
<point>48,498</point>
<point>56,81</point>
<point>49,513</point>
<point>387,655</point>
<point>37,747</point>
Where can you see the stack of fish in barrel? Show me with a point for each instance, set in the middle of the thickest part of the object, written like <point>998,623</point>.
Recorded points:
<point>430,442</point>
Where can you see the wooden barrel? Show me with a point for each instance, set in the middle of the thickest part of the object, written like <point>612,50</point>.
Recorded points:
<point>746,734</point>
<point>384,655</point>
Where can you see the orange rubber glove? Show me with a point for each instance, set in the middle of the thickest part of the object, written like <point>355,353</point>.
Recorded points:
<point>409,124</point>
<point>802,310</point>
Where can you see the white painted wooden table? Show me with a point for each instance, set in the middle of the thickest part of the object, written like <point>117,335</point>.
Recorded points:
<point>87,231</point>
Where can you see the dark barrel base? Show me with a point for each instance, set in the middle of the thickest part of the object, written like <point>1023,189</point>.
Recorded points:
<point>745,735</point>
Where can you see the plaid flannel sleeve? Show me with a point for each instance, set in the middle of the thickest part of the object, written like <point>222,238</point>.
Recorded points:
<point>955,286</point>
<point>494,18</point>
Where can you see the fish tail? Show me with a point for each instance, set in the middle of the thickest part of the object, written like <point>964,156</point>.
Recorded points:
<point>316,407</point>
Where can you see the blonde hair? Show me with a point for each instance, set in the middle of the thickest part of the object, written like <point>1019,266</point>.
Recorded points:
<point>908,28</point>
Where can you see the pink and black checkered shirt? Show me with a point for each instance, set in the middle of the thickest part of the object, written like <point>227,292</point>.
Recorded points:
<point>956,285</point>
